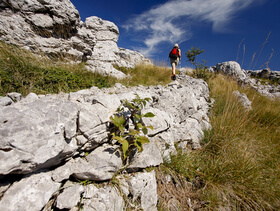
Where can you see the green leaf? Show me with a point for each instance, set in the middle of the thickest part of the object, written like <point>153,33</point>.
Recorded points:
<point>136,118</point>
<point>143,139</point>
<point>139,146</point>
<point>133,132</point>
<point>144,104</point>
<point>149,114</point>
<point>147,99</point>
<point>139,125</point>
<point>145,130</point>
<point>118,121</point>
<point>119,139</point>
<point>125,146</point>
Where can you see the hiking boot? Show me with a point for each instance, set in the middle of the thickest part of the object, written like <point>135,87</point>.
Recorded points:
<point>173,77</point>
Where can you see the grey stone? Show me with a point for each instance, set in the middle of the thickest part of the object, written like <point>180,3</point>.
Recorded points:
<point>36,135</point>
<point>232,68</point>
<point>150,156</point>
<point>242,97</point>
<point>31,97</point>
<point>70,197</point>
<point>106,198</point>
<point>30,193</point>
<point>144,186</point>
<point>55,28</point>
<point>16,97</point>
<point>5,101</point>
<point>100,165</point>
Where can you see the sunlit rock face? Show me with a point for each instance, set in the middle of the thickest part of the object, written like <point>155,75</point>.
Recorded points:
<point>54,28</point>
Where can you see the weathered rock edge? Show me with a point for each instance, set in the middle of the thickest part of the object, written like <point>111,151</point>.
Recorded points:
<point>55,29</point>
<point>54,138</point>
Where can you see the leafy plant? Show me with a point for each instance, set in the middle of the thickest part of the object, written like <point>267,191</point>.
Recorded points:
<point>119,128</point>
<point>200,68</point>
<point>192,54</point>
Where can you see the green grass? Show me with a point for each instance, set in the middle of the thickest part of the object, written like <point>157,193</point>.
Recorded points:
<point>146,75</point>
<point>23,72</point>
<point>238,165</point>
<point>239,161</point>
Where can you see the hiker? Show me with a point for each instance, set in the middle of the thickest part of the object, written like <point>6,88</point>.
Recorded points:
<point>175,57</point>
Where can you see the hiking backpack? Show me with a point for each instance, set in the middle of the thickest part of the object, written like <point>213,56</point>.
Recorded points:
<point>174,53</point>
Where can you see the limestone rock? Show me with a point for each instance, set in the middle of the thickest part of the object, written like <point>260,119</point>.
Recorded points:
<point>15,96</point>
<point>106,198</point>
<point>150,156</point>
<point>5,101</point>
<point>36,135</point>
<point>65,135</point>
<point>246,103</point>
<point>54,28</point>
<point>70,197</point>
<point>30,193</point>
<point>232,68</point>
<point>99,165</point>
<point>144,187</point>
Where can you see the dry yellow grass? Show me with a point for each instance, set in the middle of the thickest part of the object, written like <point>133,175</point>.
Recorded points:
<point>146,75</point>
<point>239,161</point>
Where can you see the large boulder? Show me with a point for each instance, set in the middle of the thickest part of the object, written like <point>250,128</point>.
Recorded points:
<point>37,135</point>
<point>233,69</point>
<point>54,28</point>
<point>31,193</point>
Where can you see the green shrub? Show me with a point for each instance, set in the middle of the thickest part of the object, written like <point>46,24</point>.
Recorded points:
<point>200,68</point>
<point>119,130</point>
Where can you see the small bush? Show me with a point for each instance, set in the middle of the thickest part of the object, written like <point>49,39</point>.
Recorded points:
<point>130,138</point>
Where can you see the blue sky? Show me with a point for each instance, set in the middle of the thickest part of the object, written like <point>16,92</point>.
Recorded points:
<point>228,30</point>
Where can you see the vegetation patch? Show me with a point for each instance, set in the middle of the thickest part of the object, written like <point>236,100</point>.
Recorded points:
<point>23,72</point>
<point>146,75</point>
<point>237,166</point>
<point>130,138</point>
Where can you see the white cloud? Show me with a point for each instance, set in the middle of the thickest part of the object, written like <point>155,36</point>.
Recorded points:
<point>173,20</point>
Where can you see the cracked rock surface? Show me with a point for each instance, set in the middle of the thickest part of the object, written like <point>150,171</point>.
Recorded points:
<point>53,139</point>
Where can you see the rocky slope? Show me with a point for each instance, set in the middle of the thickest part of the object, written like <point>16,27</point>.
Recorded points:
<point>54,28</point>
<point>48,142</point>
<point>251,78</point>
<point>55,153</point>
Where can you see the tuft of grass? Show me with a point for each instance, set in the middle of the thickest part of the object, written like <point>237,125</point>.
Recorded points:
<point>23,72</point>
<point>238,165</point>
<point>146,75</point>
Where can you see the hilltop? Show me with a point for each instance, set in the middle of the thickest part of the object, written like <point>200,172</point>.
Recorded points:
<point>86,125</point>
